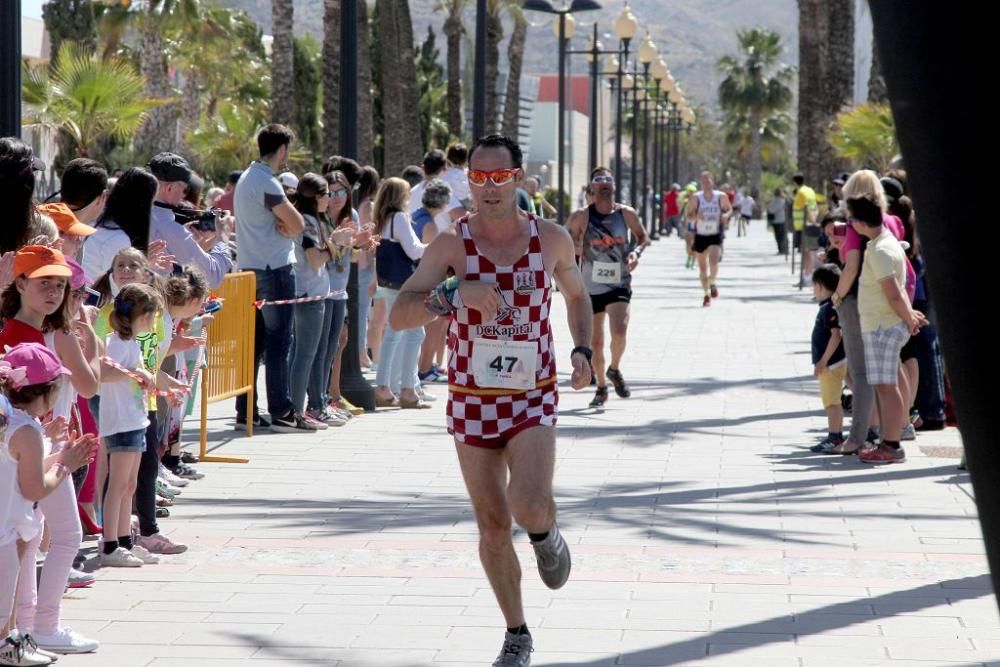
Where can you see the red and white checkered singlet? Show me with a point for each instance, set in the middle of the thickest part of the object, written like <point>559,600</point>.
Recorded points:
<point>526,292</point>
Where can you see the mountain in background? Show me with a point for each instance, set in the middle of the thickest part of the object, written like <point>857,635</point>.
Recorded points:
<point>690,34</point>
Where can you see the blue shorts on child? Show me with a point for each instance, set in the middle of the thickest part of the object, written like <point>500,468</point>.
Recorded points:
<point>128,442</point>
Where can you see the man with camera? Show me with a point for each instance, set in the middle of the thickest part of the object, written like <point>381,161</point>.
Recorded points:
<point>192,237</point>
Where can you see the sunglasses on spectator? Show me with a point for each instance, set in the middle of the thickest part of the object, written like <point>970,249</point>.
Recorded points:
<point>602,179</point>
<point>338,194</point>
<point>497,176</point>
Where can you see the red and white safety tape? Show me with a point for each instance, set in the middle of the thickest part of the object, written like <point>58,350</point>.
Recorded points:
<point>304,299</point>
<point>138,378</point>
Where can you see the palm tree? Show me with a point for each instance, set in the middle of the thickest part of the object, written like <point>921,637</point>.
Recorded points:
<point>756,85</point>
<point>494,35</point>
<point>70,20</point>
<point>366,128</point>
<point>282,69</point>
<point>773,132</point>
<point>159,132</point>
<point>401,134</point>
<point>331,76</point>
<point>515,60</point>
<point>86,98</point>
<point>838,71</point>
<point>222,140</point>
<point>811,128</point>
<point>453,31</point>
<point>877,92</point>
<point>866,136</point>
<point>838,74</point>
<point>199,43</point>
<point>204,48</point>
<point>433,94</point>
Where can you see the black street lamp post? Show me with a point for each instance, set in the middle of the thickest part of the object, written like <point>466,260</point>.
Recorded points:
<point>10,68</point>
<point>634,176</point>
<point>562,12</point>
<point>643,197</point>
<point>646,54</point>
<point>657,206</point>
<point>659,71</point>
<point>353,385</point>
<point>593,56</point>
<point>677,142</point>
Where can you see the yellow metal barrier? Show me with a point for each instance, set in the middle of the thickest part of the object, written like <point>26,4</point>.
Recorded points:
<point>229,366</point>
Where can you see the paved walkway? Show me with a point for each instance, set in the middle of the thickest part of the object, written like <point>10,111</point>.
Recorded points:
<point>703,532</point>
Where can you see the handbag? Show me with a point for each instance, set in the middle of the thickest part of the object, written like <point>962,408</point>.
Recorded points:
<point>392,265</point>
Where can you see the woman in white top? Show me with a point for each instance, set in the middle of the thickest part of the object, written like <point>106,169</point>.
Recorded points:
<point>398,357</point>
<point>123,223</point>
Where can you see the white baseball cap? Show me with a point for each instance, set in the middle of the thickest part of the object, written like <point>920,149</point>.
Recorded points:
<point>289,180</point>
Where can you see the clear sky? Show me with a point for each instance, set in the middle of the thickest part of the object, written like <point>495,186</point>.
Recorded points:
<point>32,8</point>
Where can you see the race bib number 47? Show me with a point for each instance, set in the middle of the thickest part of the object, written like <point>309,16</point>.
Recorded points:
<point>504,364</point>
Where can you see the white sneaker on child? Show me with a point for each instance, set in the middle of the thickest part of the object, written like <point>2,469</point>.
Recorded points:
<point>120,557</point>
<point>65,640</point>
<point>144,555</point>
<point>170,478</point>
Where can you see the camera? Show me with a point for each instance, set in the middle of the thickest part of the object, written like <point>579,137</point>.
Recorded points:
<point>203,220</point>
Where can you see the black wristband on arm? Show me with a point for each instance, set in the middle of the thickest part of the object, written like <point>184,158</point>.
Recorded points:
<point>585,351</point>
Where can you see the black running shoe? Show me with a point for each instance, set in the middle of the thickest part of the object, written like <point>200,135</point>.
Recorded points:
<point>618,381</point>
<point>600,397</point>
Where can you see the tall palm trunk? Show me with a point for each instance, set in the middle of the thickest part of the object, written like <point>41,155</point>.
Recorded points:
<point>877,92</point>
<point>409,99</point>
<point>401,135</point>
<point>494,35</point>
<point>159,132</point>
<point>515,60</point>
<point>453,30</point>
<point>366,130</point>
<point>331,76</point>
<point>191,109</point>
<point>812,33</point>
<point>838,76</point>
<point>282,70</point>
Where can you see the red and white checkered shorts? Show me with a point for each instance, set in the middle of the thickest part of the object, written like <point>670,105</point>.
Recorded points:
<point>491,421</point>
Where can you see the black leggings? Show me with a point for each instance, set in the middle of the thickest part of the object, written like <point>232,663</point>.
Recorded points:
<point>145,488</point>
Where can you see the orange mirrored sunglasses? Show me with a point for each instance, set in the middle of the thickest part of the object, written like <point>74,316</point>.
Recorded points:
<point>498,176</point>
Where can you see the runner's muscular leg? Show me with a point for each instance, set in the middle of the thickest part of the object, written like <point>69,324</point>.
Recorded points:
<point>703,267</point>
<point>714,253</point>
<point>531,456</point>
<point>485,474</point>
<point>597,341</point>
<point>618,316</point>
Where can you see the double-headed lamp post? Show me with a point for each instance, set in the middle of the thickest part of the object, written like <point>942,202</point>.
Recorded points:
<point>675,100</point>
<point>564,28</point>
<point>625,28</point>
<point>659,71</point>
<point>666,85</point>
<point>627,88</point>
<point>593,53</point>
<point>647,55</point>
